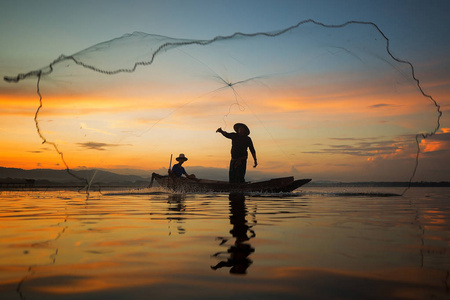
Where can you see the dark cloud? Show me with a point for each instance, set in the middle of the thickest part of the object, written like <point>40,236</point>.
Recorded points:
<point>353,139</point>
<point>340,165</point>
<point>381,105</point>
<point>440,137</point>
<point>360,147</point>
<point>98,146</point>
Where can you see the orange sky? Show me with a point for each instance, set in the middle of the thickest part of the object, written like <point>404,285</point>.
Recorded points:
<point>299,130</point>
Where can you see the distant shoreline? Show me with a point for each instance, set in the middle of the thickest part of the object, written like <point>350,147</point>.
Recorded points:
<point>19,179</point>
<point>381,184</point>
<point>99,186</point>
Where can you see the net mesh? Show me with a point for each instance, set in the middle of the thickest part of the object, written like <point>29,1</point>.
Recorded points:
<point>318,98</point>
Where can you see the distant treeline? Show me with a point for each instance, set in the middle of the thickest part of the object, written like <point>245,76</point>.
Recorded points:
<point>14,183</point>
<point>19,183</point>
<point>380,184</point>
<point>11,178</point>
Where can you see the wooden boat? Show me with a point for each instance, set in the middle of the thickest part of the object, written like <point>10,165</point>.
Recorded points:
<point>277,185</point>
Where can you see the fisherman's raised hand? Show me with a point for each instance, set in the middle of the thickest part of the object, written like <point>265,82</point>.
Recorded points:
<point>219,130</point>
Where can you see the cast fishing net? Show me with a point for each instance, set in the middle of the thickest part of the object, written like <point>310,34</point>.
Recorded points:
<point>321,101</point>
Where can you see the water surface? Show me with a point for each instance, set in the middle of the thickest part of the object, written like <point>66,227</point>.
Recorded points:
<point>317,243</point>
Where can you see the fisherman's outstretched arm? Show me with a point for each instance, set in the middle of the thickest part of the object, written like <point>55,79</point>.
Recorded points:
<point>224,133</point>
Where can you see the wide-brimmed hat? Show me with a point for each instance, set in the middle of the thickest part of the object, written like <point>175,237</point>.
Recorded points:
<point>237,125</point>
<point>181,157</point>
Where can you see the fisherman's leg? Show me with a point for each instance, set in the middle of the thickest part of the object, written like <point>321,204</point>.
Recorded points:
<point>232,172</point>
<point>240,170</point>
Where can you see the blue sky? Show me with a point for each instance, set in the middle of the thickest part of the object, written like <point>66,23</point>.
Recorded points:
<point>48,28</point>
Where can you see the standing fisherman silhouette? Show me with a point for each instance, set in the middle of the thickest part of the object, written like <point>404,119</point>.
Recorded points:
<point>240,141</point>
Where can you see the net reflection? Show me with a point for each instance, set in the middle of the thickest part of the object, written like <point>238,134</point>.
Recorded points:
<point>41,252</point>
<point>238,254</point>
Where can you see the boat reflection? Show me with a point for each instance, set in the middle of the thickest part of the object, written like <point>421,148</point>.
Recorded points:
<point>238,254</point>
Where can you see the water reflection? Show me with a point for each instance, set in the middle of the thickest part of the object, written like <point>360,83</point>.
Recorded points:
<point>55,246</point>
<point>48,247</point>
<point>238,254</point>
<point>175,211</point>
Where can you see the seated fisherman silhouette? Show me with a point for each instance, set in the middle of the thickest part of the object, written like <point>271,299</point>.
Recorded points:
<point>178,170</point>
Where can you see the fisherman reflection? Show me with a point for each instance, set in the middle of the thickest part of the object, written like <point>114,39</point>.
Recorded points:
<point>175,210</point>
<point>238,259</point>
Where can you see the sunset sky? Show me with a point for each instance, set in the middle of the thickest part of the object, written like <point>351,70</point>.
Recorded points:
<point>321,103</point>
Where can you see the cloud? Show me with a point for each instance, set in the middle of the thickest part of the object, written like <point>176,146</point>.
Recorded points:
<point>382,105</point>
<point>353,139</point>
<point>436,143</point>
<point>441,136</point>
<point>340,165</point>
<point>361,147</point>
<point>99,146</point>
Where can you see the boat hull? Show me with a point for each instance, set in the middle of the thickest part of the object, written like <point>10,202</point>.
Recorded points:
<point>277,185</point>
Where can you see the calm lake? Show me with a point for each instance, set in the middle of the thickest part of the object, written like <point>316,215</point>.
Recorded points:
<point>316,243</point>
